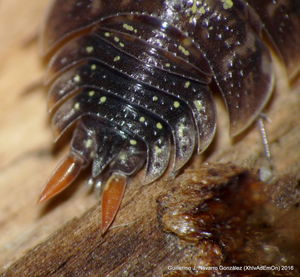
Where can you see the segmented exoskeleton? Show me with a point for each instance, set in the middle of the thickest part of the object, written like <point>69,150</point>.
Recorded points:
<point>134,78</point>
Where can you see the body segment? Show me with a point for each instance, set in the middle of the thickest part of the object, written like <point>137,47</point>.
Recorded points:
<point>135,78</point>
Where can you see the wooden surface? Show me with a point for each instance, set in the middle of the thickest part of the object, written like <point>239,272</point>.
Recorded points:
<point>25,138</point>
<point>27,159</point>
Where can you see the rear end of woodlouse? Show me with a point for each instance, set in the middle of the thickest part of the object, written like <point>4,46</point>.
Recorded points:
<point>134,80</point>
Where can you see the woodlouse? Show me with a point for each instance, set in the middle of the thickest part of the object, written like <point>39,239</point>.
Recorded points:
<point>134,77</point>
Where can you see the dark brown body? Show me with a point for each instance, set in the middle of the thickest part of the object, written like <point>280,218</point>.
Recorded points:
<point>134,78</point>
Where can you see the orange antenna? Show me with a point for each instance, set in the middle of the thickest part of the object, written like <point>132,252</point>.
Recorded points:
<point>62,177</point>
<point>111,199</point>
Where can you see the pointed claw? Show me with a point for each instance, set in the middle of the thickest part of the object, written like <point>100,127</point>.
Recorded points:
<point>63,176</point>
<point>111,199</point>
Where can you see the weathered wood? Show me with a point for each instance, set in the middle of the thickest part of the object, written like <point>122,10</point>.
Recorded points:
<point>63,235</point>
<point>137,248</point>
<point>25,137</point>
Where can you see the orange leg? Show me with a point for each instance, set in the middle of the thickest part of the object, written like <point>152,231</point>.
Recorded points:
<point>111,199</point>
<point>63,176</point>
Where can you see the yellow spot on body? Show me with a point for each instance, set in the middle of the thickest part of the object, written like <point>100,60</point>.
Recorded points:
<point>128,27</point>
<point>159,125</point>
<point>122,157</point>
<point>167,65</point>
<point>194,7</point>
<point>117,58</point>
<point>133,142</point>
<point>93,67</point>
<point>202,10</point>
<point>116,39</point>
<point>154,98</point>
<point>103,99</point>
<point>76,106</point>
<point>181,130</point>
<point>198,105</point>
<point>157,149</point>
<point>107,34</point>
<point>183,50</point>
<point>176,104</point>
<point>88,143</point>
<point>91,93</point>
<point>121,44</point>
<point>89,49</point>
<point>77,78</point>
<point>227,4</point>
<point>196,11</point>
<point>187,84</point>
<point>142,119</point>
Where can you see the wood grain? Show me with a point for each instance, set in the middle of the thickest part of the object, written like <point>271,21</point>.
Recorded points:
<point>26,158</point>
<point>71,221</point>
